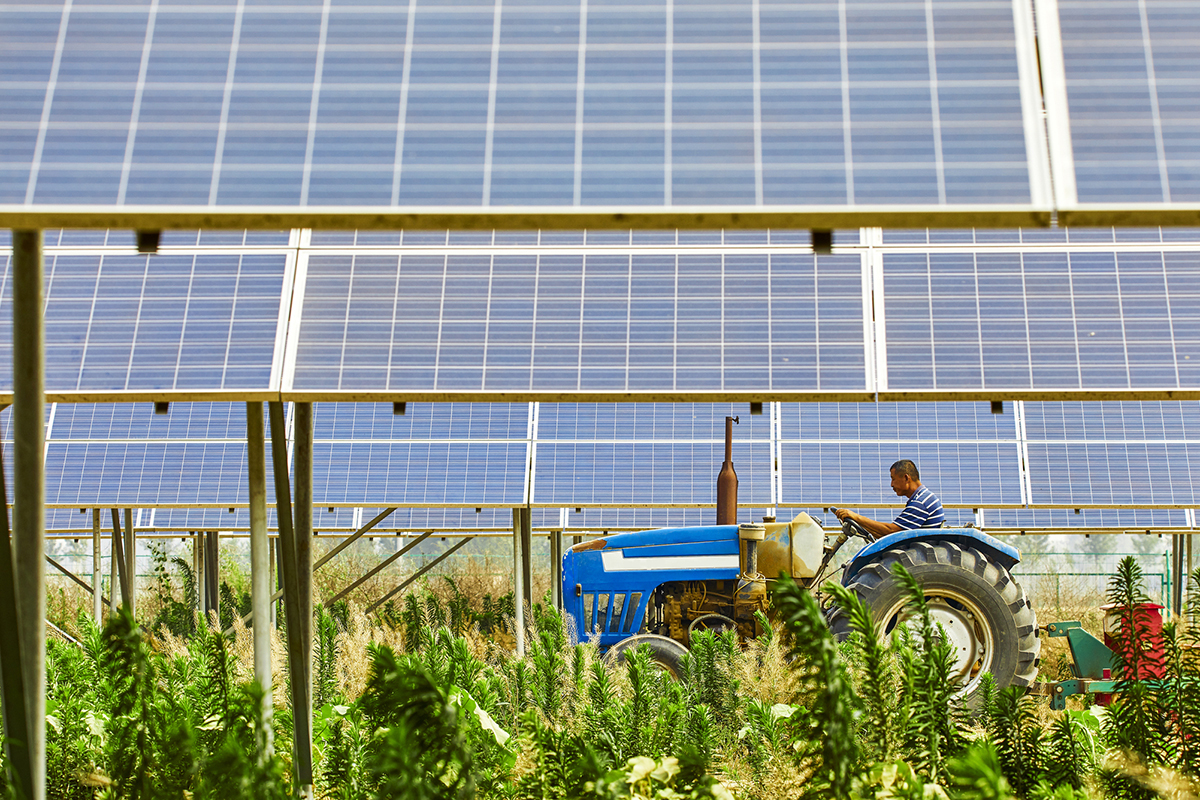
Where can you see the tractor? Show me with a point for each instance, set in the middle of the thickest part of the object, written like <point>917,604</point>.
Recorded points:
<point>658,587</point>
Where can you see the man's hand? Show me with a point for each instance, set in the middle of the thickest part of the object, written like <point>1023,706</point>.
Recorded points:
<point>872,527</point>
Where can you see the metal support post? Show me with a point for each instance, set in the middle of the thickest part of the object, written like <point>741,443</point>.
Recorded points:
<point>260,561</point>
<point>29,489</point>
<point>198,568</point>
<point>212,572</point>
<point>518,589</point>
<point>556,545</point>
<point>12,679</point>
<point>131,559</point>
<point>323,560</point>
<point>299,663</point>
<point>275,585</point>
<point>527,556</point>
<point>302,460</point>
<point>120,565</point>
<point>97,571</point>
<point>1177,576</point>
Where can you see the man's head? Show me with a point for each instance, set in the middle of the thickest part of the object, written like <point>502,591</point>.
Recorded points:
<point>905,478</point>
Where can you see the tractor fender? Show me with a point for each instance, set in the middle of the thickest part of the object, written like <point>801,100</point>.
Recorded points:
<point>998,552</point>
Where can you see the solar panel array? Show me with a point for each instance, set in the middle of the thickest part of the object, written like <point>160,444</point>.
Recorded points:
<point>461,466</point>
<point>579,317</point>
<point>518,103</point>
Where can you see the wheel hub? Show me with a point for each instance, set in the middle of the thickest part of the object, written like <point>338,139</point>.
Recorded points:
<point>959,623</point>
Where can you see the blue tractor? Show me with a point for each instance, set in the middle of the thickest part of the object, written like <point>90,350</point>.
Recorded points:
<point>657,587</point>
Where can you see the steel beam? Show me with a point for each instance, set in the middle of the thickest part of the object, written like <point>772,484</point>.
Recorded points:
<point>375,570</point>
<point>354,537</point>
<point>418,574</point>
<point>260,562</point>
<point>1178,577</point>
<point>302,460</point>
<point>29,491</point>
<point>12,679</point>
<point>131,559</point>
<point>198,568</point>
<point>567,218</point>
<point>120,565</point>
<point>212,572</point>
<point>299,664</point>
<point>518,582</point>
<point>97,572</point>
<point>556,546</point>
<point>323,560</point>
<point>80,581</point>
<point>527,556</point>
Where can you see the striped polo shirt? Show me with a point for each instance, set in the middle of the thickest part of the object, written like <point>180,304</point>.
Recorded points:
<point>924,510</point>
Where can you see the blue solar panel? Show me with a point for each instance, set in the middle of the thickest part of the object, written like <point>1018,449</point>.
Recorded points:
<point>1127,453</point>
<point>196,421</point>
<point>836,472</point>
<point>1131,87</point>
<point>895,421</point>
<point>647,472</point>
<point>562,104</point>
<point>118,322</point>
<point>430,472</point>
<point>145,473</point>
<point>655,421</point>
<point>1044,320</point>
<point>471,323</point>
<point>1131,519</point>
<point>438,421</point>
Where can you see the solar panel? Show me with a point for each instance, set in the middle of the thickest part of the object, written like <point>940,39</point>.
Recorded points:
<point>647,472</point>
<point>570,422</point>
<point>1112,453</point>
<point>397,473</point>
<point>137,474</point>
<point>571,104</point>
<point>120,323</point>
<point>456,326</point>
<point>1130,82</point>
<point>367,422</point>
<point>1042,320</point>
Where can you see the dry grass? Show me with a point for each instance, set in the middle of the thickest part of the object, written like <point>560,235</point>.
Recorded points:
<point>763,671</point>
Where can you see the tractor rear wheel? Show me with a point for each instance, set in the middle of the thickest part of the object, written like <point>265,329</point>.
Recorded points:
<point>985,615</point>
<point>665,653</point>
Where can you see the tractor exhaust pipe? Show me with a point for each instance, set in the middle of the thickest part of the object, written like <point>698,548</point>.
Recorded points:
<point>727,481</point>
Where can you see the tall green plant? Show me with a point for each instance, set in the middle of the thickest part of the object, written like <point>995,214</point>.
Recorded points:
<point>826,741</point>
<point>149,740</point>
<point>1134,725</point>
<point>932,717</point>
<point>877,689</point>
<point>421,750</point>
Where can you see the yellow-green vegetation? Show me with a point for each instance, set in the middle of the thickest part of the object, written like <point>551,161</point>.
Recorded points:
<point>426,700</point>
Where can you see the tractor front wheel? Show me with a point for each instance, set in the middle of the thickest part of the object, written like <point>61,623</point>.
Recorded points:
<point>665,653</point>
<point>983,612</point>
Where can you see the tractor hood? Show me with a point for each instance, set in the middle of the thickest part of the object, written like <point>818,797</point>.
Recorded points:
<point>709,547</point>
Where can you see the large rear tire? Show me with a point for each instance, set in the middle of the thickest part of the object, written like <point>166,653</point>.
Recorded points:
<point>666,653</point>
<point>984,612</point>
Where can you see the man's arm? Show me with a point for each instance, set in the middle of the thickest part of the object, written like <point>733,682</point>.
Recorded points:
<point>873,527</point>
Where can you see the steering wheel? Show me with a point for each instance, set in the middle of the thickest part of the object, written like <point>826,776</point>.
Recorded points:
<point>852,528</point>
